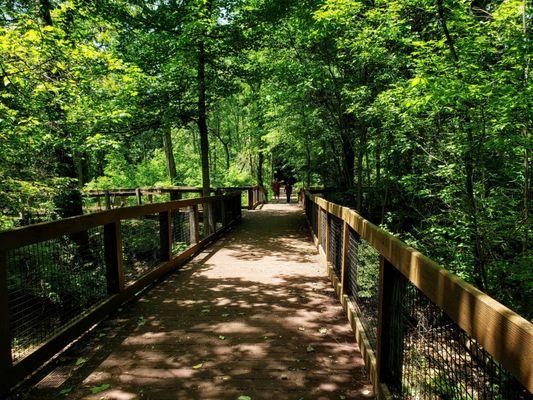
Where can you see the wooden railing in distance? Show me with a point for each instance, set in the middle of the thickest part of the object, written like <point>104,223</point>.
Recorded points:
<point>492,339</point>
<point>257,195</point>
<point>106,198</point>
<point>117,261</point>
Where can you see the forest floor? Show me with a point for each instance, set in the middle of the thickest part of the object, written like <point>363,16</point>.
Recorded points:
<point>251,317</point>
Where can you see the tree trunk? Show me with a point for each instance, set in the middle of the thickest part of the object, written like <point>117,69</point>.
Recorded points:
<point>360,154</point>
<point>169,154</point>
<point>202,120</point>
<point>260,160</point>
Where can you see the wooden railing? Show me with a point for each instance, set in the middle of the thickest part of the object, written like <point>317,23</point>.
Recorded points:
<point>107,199</point>
<point>256,196</point>
<point>59,278</point>
<point>424,332</point>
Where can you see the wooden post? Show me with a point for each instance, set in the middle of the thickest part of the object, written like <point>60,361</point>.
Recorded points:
<point>175,195</point>
<point>390,330</point>
<point>344,256</point>
<point>211,217</point>
<point>107,200</point>
<point>250,199</point>
<point>193,225</point>
<point>223,212</point>
<point>150,198</point>
<point>122,201</point>
<point>138,194</point>
<point>113,258</point>
<point>6,360</point>
<point>165,235</point>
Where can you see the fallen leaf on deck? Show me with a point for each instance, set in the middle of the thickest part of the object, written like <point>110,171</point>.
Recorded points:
<point>80,361</point>
<point>198,366</point>
<point>101,388</point>
<point>310,349</point>
<point>323,331</point>
<point>222,337</point>
<point>244,398</point>
<point>301,328</point>
<point>66,391</point>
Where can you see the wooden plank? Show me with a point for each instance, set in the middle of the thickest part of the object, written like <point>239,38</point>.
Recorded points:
<point>507,336</point>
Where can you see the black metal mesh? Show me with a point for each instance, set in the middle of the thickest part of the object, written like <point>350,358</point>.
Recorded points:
<point>50,283</point>
<point>323,227</point>
<point>335,244</point>
<point>181,230</point>
<point>439,359</point>
<point>140,245</point>
<point>362,283</point>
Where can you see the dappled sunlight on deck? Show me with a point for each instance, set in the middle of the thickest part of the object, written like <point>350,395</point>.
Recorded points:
<point>252,315</point>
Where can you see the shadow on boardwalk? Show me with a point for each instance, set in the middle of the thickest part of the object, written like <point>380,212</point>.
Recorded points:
<point>252,315</point>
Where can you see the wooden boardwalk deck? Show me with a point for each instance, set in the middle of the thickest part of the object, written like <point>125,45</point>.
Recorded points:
<point>253,315</point>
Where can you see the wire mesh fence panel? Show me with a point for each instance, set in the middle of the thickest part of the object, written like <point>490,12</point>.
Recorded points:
<point>181,230</point>
<point>439,359</point>
<point>140,246</point>
<point>50,283</point>
<point>314,222</point>
<point>218,207</point>
<point>323,227</point>
<point>362,283</point>
<point>335,244</point>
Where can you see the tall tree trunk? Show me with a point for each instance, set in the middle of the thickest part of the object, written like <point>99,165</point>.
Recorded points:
<point>169,154</point>
<point>202,120</point>
<point>69,203</point>
<point>260,160</point>
<point>477,249</point>
<point>527,178</point>
<point>308,162</point>
<point>360,154</point>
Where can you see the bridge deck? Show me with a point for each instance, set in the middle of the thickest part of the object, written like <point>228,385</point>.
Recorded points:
<point>253,315</point>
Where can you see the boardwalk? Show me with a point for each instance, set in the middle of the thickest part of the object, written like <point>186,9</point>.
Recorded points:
<point>253,315</point>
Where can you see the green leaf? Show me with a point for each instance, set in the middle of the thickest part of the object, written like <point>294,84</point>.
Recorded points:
<point>65,391</point>
<point>80,361</point>
<point>101,388</point>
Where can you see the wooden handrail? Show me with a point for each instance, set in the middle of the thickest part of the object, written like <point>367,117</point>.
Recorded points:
<point>504,334</point>
<point>35,233</point>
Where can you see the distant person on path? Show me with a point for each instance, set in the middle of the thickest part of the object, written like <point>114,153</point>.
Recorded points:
<point>288,191</point>
<point>276,186</point>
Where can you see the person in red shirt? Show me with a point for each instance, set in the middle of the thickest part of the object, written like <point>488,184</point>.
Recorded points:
<point>276,186</point>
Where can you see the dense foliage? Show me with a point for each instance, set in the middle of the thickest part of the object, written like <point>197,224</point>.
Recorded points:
<point>419,112</point>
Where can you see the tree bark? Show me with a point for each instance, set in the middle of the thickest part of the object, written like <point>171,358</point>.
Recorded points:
<point>169,154</point>
<point>202,120</point>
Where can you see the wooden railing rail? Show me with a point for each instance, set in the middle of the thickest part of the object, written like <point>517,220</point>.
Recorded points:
<point>92,245</point>
<point>107,198</point>
<point>497,339</point>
